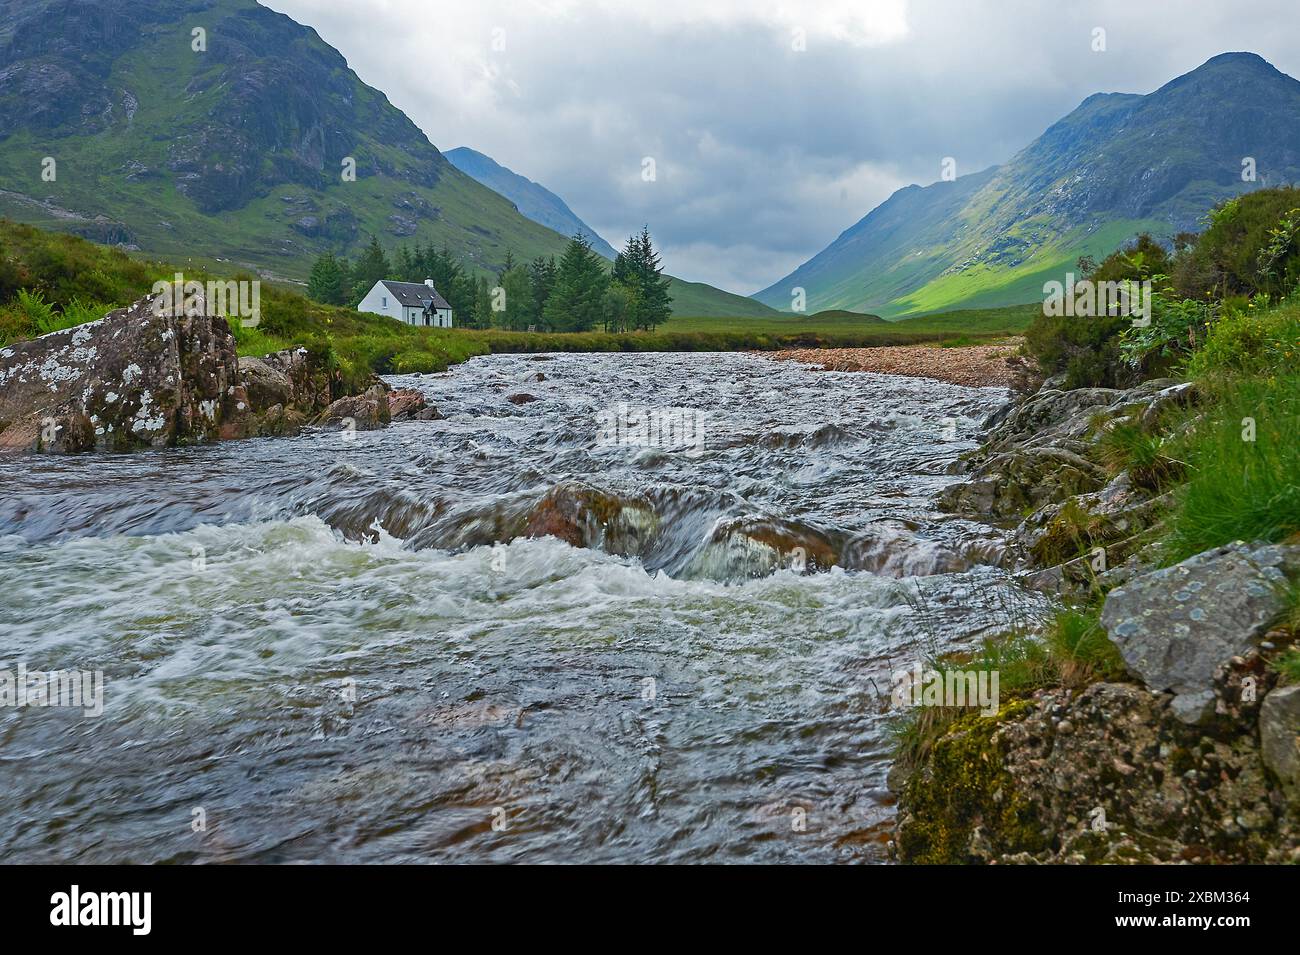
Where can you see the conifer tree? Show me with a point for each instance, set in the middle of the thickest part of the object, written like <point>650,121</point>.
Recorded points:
<point>328,282</point>
<point>577,303</point>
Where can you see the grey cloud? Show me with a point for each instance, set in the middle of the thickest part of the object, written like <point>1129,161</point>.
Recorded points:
<point>751,138</point>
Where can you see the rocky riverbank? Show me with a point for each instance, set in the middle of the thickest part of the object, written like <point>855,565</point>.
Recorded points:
<point>1194,754</point>
<point>154,375</point>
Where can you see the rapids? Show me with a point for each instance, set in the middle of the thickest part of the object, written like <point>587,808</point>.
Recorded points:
<point>390,649</point>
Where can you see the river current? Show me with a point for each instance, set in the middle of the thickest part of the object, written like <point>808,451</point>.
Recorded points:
<point>389,648</point>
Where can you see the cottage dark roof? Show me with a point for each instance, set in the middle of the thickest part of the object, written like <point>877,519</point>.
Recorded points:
<point>416,294</point>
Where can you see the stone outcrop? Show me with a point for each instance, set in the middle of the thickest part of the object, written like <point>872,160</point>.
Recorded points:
<point>409,404</point>
<point>1036,452</point>
<point>1175,626</point>
<point>1110,775</point>
<point>1009,483</point>
<point>1112,514</point>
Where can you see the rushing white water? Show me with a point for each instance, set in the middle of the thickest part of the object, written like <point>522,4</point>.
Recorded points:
<point>334,650</point>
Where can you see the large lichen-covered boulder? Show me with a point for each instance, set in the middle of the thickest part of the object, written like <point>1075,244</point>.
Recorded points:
<point>1176,625</point>
<point>150,374</point>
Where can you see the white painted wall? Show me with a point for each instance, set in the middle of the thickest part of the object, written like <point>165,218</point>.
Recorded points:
<point>382,302</point>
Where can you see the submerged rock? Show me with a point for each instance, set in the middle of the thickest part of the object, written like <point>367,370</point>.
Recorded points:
<point>586,516</point>
<point>753,546</point>
<point>1175,626</point>
<point>894,550</point>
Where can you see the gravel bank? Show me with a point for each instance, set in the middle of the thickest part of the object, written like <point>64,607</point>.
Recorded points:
<point>974,365</point>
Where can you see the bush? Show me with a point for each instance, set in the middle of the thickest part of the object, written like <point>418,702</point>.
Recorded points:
<point>1248,340</point>
<point>1086,349</point>
<point>1177,325</point>
<point>1248,248</point>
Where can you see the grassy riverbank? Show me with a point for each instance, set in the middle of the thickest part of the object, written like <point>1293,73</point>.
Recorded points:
<point>1165,474</point>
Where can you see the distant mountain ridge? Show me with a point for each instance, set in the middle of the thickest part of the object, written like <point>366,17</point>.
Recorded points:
<point>530,198</point>
<point>1118,164</point>
<point>230,146</point>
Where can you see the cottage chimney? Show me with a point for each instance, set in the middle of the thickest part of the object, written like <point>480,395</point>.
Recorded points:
<point>429,282</point>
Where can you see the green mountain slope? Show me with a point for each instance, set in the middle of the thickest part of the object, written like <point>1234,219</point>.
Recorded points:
<point>1117,165</point>
<point>234,153</point>
<point>532,199</point>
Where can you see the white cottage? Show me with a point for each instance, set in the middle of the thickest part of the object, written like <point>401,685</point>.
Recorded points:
<point>414,303</point>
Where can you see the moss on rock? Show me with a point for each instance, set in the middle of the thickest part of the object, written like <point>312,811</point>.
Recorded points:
<point>963,799</point>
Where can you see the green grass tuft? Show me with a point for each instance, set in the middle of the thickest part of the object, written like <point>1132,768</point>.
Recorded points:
<point>1244,465</point>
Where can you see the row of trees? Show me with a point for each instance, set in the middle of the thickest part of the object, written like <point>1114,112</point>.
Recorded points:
<point>576,294</point>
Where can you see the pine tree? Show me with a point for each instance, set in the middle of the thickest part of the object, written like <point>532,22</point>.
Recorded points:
<point>328,281</point>
<point>577,303</point>
<point>481,312</point>
<point>372,265</point>
<point>518,295</point>
<point>654,305</point>
<point>541,274</point>
<point>506,266</point>
<point>408,266</point>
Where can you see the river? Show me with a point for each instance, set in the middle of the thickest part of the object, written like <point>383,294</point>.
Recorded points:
<point>317,649</point>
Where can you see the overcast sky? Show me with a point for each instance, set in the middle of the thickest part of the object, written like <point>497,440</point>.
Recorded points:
<point>764,152</point>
